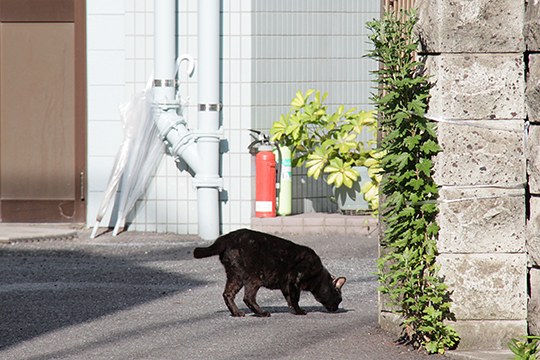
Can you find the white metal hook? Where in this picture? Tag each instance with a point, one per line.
(190, 61)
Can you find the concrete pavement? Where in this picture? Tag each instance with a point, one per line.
(143, 296)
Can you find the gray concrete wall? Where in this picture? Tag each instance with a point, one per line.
(476, 55)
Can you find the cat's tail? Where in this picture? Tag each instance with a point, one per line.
(214, 249)
(220, 245)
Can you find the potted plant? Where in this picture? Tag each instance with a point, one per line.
(328, 143)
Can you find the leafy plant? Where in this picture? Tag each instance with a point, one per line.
(328, 143)
(408, 272)
(526, 349)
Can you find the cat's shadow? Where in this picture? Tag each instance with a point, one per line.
(285, 310)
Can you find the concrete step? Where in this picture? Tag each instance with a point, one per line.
(309, 223)
(11, 233)
(480, 355)
(317, 223)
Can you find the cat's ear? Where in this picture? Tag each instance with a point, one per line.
(339, 282)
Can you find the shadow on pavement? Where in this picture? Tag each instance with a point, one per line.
(43, 290)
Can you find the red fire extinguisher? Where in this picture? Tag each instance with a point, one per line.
(265, 178)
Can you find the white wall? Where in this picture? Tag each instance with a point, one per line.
(106, 44)
(120, 61)
(262, 68)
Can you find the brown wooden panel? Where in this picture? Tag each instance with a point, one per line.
(37, 111)
(80, 177)
(47, 195)
(57, 211)
(37, 10)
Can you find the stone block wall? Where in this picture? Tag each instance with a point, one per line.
(532, 104)
(478, 54)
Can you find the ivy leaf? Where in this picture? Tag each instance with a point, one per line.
(402, 160)
(412, 141)
(430, 147)
(424, 166)
(432, 229)
(416, 183)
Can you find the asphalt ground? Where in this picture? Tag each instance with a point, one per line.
(144, 296)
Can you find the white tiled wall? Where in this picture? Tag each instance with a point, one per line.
(270, 49)
(106, 90)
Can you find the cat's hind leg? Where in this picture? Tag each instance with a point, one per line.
(232, 287)
(250, 296)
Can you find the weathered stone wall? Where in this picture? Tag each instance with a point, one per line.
(532, 104)
(476, 55)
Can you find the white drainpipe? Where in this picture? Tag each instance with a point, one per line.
(208, 180)
(200, 148)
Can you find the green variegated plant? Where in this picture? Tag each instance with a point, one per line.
(328, 143)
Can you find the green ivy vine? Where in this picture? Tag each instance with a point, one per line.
(407, 270)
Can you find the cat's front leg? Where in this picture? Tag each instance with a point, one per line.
(292, 295)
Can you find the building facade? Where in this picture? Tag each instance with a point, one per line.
(104, 54)
(269, 50)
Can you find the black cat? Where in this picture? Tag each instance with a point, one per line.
(253, 259)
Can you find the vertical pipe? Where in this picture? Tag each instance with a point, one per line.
(166, 118)
(208, 117)
(164, 50)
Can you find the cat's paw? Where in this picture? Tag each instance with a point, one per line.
(300, 312)
(239, 314)
(263, 314)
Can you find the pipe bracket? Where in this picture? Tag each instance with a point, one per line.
(208, 182)
(165, 83)
(166, 106)
(210, 107)
(219, 134)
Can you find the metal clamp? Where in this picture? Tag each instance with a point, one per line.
(165, 83)
(210, 107)
(218, 134)
(208, 181)
(166, 106)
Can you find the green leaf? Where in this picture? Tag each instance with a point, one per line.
(299, 100)
(340, 173)
(430, 147)
(424, 165)
(316, 162)
(412, 141)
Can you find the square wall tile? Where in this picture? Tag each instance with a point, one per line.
(105, 32)
(105, 67)
(100, 7)
(100, 168)
(104, 102)
(104, 138)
